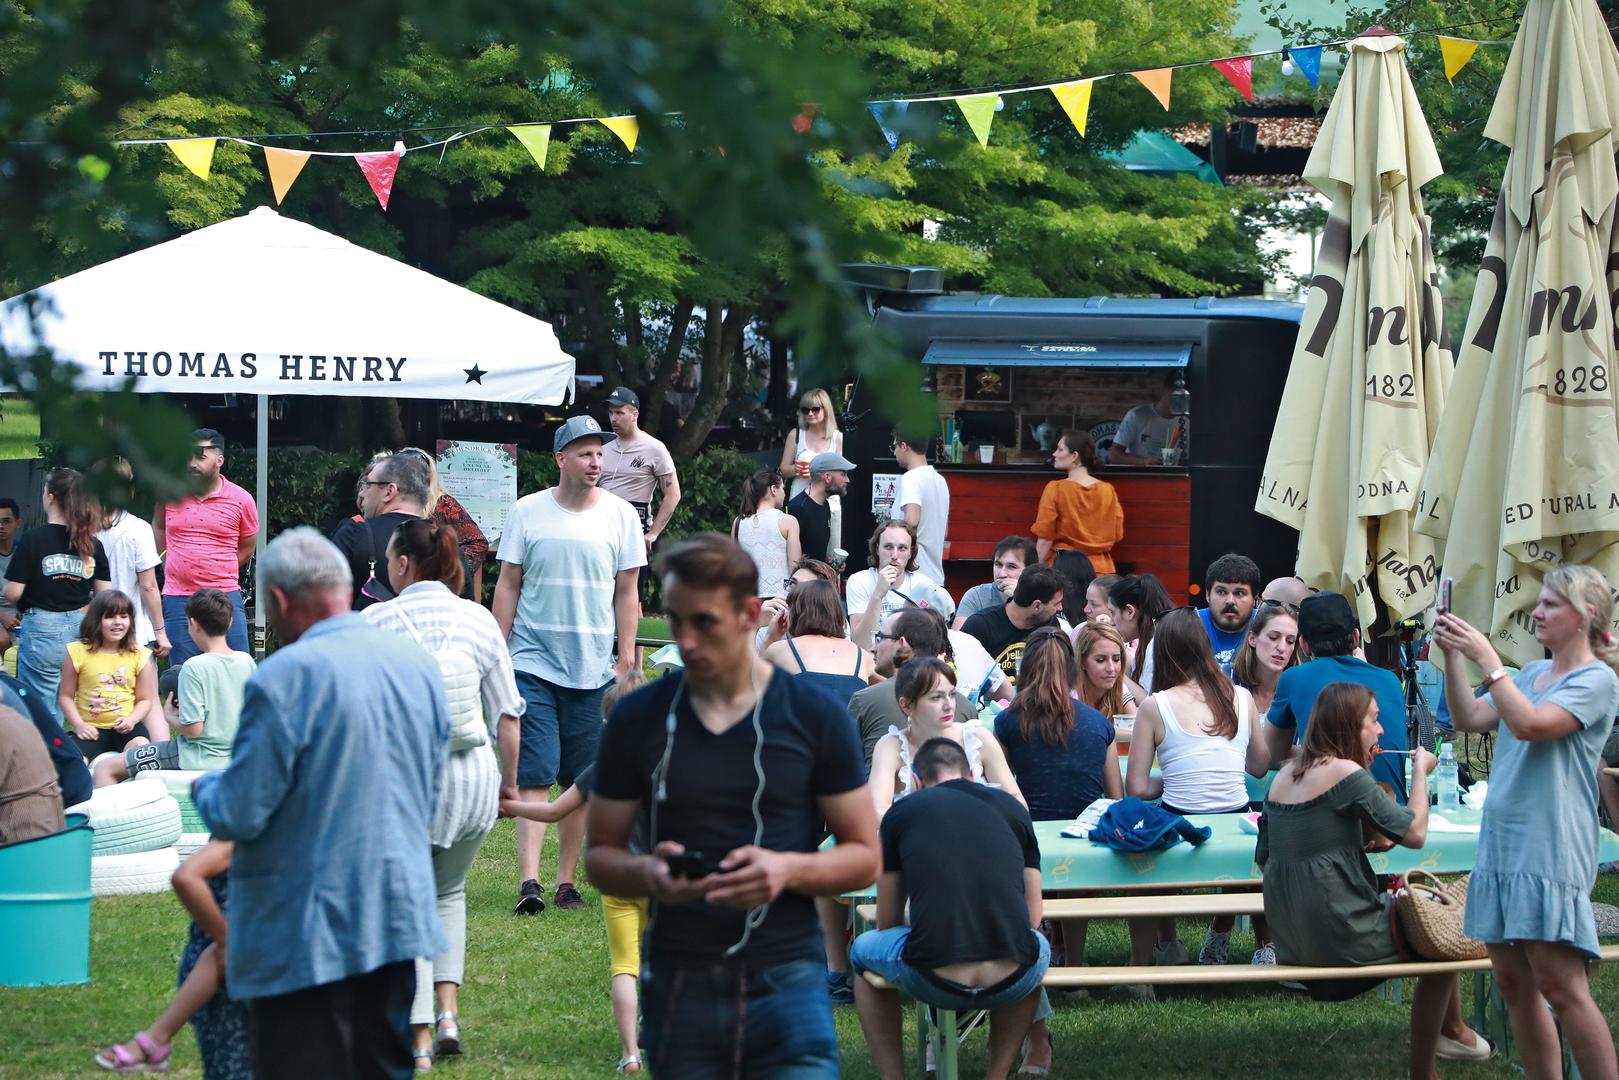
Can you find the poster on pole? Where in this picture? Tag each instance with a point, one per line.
(483, 478)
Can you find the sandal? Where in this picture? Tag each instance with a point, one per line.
(121, 1060)
(424, 1061)
(449, 1034)
(629, 1066)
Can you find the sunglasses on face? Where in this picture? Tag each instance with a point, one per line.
(807, 409)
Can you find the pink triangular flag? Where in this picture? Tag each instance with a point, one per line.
(1239, 71)
(379, 169)
(1157, 80)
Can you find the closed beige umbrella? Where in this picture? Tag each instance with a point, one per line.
(1370, 371)
(1525, 471)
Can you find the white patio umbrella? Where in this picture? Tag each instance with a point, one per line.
(1525, 470)
(263, 304)
(1369, 373)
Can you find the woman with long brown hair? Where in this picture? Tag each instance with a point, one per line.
(1135, 603)
(54, 571)
(1269, 648)
(1322, 898)
(1202, 729)
(766, 533)
(1102, 684)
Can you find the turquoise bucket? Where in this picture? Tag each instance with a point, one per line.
(45, 908)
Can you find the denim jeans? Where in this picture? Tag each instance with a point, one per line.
(708, 1022)
(174, 624)
(881, 952)
(42, 650)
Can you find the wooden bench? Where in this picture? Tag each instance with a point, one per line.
(1071, 978)
(1141, 905)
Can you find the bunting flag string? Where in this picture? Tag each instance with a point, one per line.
(978, 108)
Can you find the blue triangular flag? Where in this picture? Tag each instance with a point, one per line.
(1309, 61)
(887, 115)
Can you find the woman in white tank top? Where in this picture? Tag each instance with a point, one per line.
(1201, 728)
(767, 534)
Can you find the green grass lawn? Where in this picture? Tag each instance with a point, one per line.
(19, 428)
(536, 1005)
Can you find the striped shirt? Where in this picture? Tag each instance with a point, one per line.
(565, 624)
(470, 798)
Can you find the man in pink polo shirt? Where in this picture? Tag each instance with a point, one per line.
(206, 539)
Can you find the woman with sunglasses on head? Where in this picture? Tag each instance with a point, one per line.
(1202, 730)
(816, 433)
(1269, 648)
(766, 533)
(1529, 898)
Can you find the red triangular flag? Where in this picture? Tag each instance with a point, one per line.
(1239, 72)
(379, 169)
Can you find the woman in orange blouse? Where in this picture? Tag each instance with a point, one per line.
(1079, 512)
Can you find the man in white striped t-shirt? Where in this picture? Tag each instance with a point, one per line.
(570, 560)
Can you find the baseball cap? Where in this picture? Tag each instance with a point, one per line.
(1325, 616)
(830, 462)
(168, 684)
(624, 396)
(579, 427)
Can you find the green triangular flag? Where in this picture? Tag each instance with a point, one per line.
(979, 109)
(536, 139)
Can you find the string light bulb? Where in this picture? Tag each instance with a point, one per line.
(1287, 63)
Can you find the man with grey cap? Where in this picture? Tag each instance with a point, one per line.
(570, 563)
(330, 794)
(829, 475)
(635, 464)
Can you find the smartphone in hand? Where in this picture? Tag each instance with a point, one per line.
(688, 864)
(1443, 604)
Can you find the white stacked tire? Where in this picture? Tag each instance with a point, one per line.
(135, 828)
(193, 832)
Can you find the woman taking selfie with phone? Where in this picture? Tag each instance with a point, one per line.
(1529, 899)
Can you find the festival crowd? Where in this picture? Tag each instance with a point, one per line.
(821, 736)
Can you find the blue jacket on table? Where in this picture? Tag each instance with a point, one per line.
(331, 791)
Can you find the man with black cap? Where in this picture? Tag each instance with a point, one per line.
(570, 563)
(829, 475)
(1329, 637)
(634, 464)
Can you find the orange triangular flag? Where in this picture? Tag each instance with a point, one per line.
(1157, 80)
(1456, 52)
(284, 166)
(627, 128)
(195, 154)
(1075, 99)
(380, 169)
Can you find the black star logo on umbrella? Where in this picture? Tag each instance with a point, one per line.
(475, 374)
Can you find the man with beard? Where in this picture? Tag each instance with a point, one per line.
(206, 539)
(1232, 588)
(570, 563)
(829, 475)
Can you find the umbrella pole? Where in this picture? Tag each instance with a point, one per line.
(262, 469)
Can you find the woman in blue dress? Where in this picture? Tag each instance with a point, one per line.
(1529, 899)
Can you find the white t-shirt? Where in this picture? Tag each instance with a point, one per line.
(131, 548)
(564, 630)
(918, 586)
(1143, 432)
(924, 488)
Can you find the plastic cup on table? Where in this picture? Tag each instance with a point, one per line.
(1124, 725)
(1170, 456)
(986, 455)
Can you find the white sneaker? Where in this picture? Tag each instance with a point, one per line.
(1451, 1050)
(1265, 954)
(1216, 947)
(1170, 953)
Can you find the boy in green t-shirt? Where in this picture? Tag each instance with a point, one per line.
(202, 699)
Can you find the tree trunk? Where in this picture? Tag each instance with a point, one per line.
(720, 340)
(658, 385)
(599, 332)
(776, 400)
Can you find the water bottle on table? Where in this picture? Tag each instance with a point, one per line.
(1445, 778)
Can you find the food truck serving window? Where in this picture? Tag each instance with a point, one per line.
(1103, 354)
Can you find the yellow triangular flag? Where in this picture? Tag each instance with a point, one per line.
(627, 128)
(1457, 52)
(536, 139)
(979, 109)
(195, 154)
(1157, 80)
(1075, 99)
(284, 166)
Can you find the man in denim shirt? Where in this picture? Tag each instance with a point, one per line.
(329, 796)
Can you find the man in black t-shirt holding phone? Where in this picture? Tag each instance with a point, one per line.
(965, 857)
(738, 765)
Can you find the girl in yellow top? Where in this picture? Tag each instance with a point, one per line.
(109, 684)
(1078, 513)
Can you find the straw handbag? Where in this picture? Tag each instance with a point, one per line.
(1430, 914)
